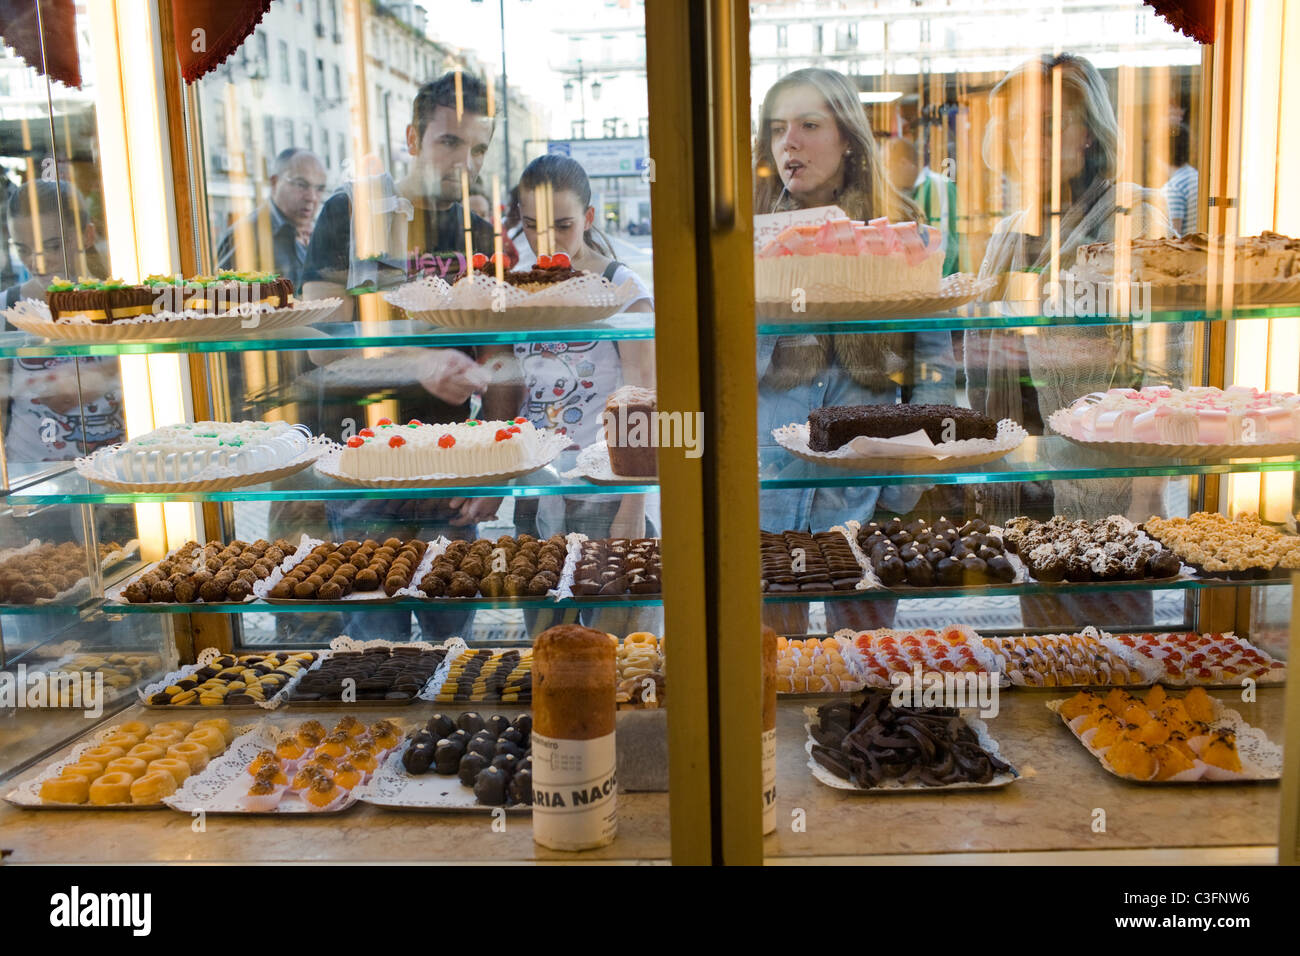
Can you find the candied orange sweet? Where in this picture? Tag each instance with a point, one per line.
(1153, 732)
(1171, 761)
(1132, 759)
(1108, 731)
(1136, 714)
(1221, 751)
(1199, 704)
(1081, 703)
(1117, 700)
(1155, 697)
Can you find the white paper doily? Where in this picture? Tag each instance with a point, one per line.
(828, 302)
(480, 303)
(986, 742)
(1261, 759)
(206, 657)
(594, 465)
(27, 794)
(33, 317)
(903, 453)
(213, 478)
(221, 786)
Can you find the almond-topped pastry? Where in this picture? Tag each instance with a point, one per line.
(264, 758)
(351, 726)
(311, 733)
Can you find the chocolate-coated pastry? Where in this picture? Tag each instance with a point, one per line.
(366, 580)
(446, 757)
(920, 573)
(471, 765)
(330, 591)
(504, 746)
(304, 590)
(506, 762)
(471, 722)
(490, 787)
(484, 744)
(1001, 569)
(462, 585)
(136, 593)
(238, 590)
(521, 786)
(522, 723)
(162, 591)
(417, 759)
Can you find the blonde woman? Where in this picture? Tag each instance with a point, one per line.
(815, 148)
(1075, 150)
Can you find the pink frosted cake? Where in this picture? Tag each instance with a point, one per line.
(1196, 416)
(845, 257)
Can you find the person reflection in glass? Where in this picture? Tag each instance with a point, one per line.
(274, 237)
(815, 148)
(1062, 170)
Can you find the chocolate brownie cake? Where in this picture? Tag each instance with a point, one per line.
(832, 427)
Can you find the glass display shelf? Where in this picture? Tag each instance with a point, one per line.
(1015, 315)
(1027, 588)
(1039, 458)
(401, 604)
(69, 487)
(339, 335)
(655, 600)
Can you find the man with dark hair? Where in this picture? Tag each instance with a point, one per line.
(274, 237)
(376, 233)
(447, 140)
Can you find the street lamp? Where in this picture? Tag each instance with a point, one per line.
(595, 89)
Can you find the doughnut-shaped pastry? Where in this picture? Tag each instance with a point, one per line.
(182, 727)
(89, 769)
(164, 737)
(152, 787)
(137, 727)
(179, 769)
(125, 741)
(111, 788)
(103, 754)
(209, 737)
(133, 766)
(194, 754)
(148, 752)
(70, 788)
(221, 724)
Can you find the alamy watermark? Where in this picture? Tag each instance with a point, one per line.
(634, 428)
(1072, 298)
(79, 690)
(978, 689)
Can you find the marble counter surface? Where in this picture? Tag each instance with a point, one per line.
(361, 833)
(1052, 807)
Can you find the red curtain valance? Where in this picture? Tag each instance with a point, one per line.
(21, 24)
(225, 24)
(1195, 18)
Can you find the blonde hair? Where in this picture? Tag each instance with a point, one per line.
(865, 192)
(1082, 90)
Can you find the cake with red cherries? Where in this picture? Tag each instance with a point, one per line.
(1195, 416)
(546, 272)
(847, 257)
(473, 447)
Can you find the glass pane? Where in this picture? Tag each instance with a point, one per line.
(358, 149)
(961, 210)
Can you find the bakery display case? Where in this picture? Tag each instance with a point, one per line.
(917, 405)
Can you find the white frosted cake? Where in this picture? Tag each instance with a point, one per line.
(415, 449)
(844, 257)
(184, 452)
(1268, 257)
(1197, 416)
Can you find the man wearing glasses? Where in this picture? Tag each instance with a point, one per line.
(275, 236)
